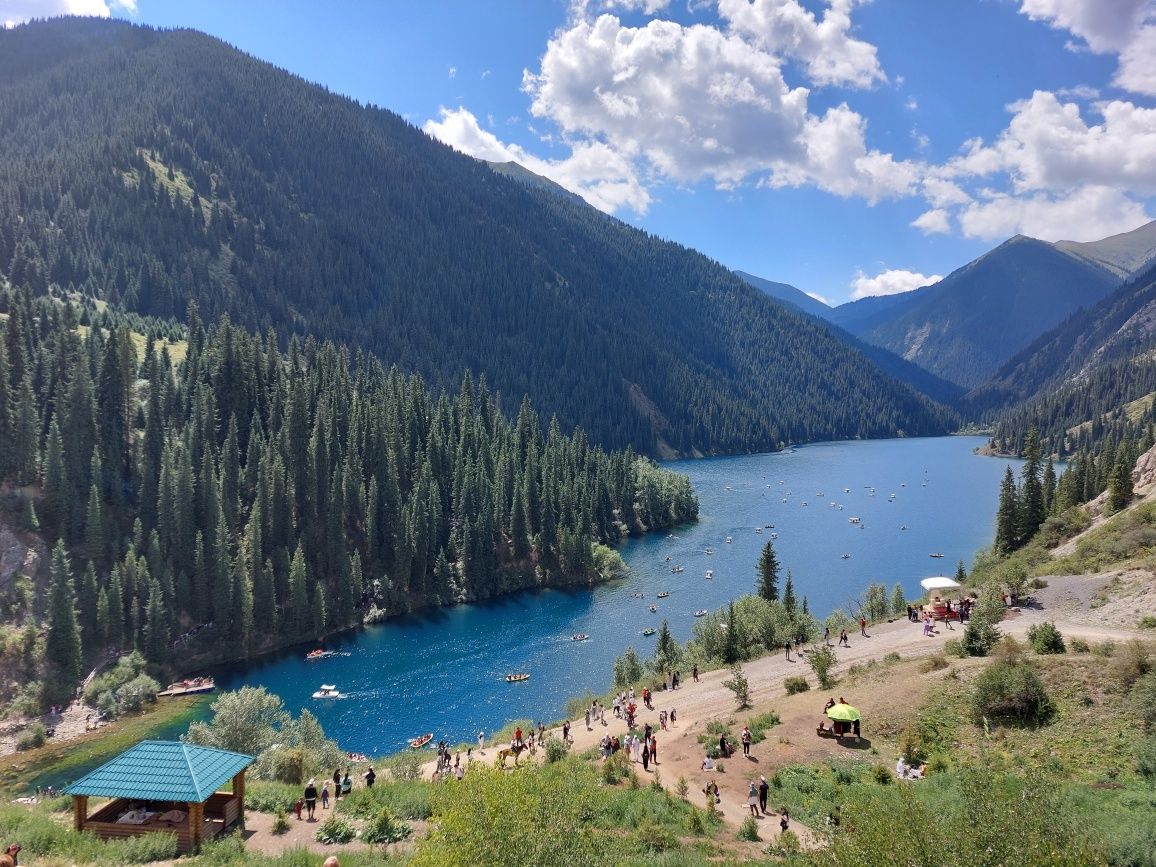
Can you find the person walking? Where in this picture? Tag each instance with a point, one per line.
(654, 750)
(371, 776)
(566, 731)
(310, 798)
(827, 635)
(843, 640)
(753, 799)
(863, 627)
(787, 649)
(481, 743)
(587, 719)
(784, 819)
(694, 672)
(346, 783)
(764, 790)
(746, 739)
(646, 757)
(325, 795)
(336, 785)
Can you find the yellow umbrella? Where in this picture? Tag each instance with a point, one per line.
(843, 713)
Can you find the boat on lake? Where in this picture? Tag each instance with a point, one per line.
(663, 594)
(700, 613)
(758, 529)
(728, 540)
(709, 574)
(328, 690)
(319, 654)
(419, 742)
(579, 636)
(653, 609)
(846, 556)
(517, 678)
(708, 550)
(192, 686)
(937, 556)
(677, 569)
(854, 521)
(650, 630)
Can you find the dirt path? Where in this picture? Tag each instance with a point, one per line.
(697, 704)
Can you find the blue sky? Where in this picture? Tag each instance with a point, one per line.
(849, 148)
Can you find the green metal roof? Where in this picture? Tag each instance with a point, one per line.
(162, 771)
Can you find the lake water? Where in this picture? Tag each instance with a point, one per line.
(443, 671)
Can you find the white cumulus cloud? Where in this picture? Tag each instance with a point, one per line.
(889, 282)
(594, 171)
(1126, 28)
(13, 12)
(1087, 213)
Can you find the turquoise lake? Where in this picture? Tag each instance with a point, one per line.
(442, 671)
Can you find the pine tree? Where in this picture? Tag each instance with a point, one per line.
(62, 648)
(55, 480)
(960, 572)
(731, 639)
(789, 595)
(1007, 523)
(1031, 508)
(665, 648)
(1120, 480)
(769, 573)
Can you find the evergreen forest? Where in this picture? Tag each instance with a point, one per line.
(215, 495)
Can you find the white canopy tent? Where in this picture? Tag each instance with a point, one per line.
(939, 582)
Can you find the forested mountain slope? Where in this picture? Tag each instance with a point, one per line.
(1083, 371)
(149, 168)
(966, 326)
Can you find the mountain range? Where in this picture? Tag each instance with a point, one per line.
(148, 169)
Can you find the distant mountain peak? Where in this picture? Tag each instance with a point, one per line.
(1123, 255)
(519, 172)
(787, 293)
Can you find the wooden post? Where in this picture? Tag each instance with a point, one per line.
(79, 811)
(196, 825)
(239, 793)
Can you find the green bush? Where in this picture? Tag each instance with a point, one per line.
(1079, 645)
(954, 647)
(796, 684)
(556, 749)
(1011, 693)
(263, 796)
(31, 738)
(335, 829)
(1106, 648)
(404, 766)
(788, 843)
(653, 837)
(821, 662)
(759, 725)
(615, 768)
(891, 657)
(1143, 700)
(1132, 663)
(749, 830)
(1146, 757)
(1045, 638)
(280, 822)
(287, 766)
(384, 828)
(881, 775)
(410, 799)
(1148, 621)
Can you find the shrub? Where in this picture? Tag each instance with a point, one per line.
(404, 766)
(1146, 757)
(335, 829)
(739, 686)
(1106, 648)
(384, 828)
(31, 738)
(696, 821)
(881, 774)
(1132, 663)
(1079, 645)
(615, 768)
(269, 797)
(1143, 700)
(1012, 693)
(1148, 621)
(653, 837)
(788, 843)
(749, 830)
(556, 749)
(280, 821)
(682, 789)
(933, 663)
(287, 766)
(759, 725)
(891, 657)
(796, 684)
(954, 647)
(910, 746)
(409, 800)
(1045, 638)
(821, 662)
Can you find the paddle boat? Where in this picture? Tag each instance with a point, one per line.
(854, 520)
(758, 529)
(846, 556)
(517, 678)
(653, 609)
(903, 527)
(419, 742)
(677, 569)
(709, 574)
(328, 690)
(650, 630)
(637, 594)
(579, 636)
(728, 540)
(663, 594)
(700, 613)
(359, 757)
(708, 550)
(937, 556)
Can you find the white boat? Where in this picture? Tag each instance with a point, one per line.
(663, 594)
(758, 529)
(579, 636)
(846, 556)
(728, 540)
(653, 609)
(774, 535)
(846, 490)
(853, 520)
(677, 568)
(904, 527)
(937, 556)
(328, 690)
(700, 613)
(709, 574)
(708, 550)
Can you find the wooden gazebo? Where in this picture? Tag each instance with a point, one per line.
(163, 787)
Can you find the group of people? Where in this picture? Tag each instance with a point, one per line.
(642, 750)
(342, 785)
(837, 728)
